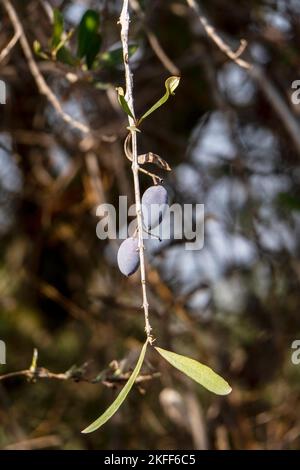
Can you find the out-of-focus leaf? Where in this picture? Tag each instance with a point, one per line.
(289, 201)
(89, 38)
(39, 51)
(202, 374)
(114, 57)
(120, 398)
(123, 103)
(171, 84)
(94, 48)
(58, 27)
(66, 57)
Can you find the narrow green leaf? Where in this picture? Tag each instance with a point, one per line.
(94, 48)
(58, 27)
(123, 103)
(202, 374)
(171, 84)
(89, 39)
(120, 398)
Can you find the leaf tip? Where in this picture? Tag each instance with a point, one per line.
(172, 83)
(227, 389)
(86, 430)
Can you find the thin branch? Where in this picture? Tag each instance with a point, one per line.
(124, 22)
(38, 77)
(211, 32)
(109, 378)
(4, 53)
(154, 42)
(271, 93)
(76, 375)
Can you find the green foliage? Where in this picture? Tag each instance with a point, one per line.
(120, 398)
(200, 373)
(88, 45)
(89, 39)
(65, 56)
(171, 84)
(58, 28)
(123, 103)
(289, 201)
(39, 51)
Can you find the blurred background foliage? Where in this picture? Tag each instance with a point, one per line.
(233, 305)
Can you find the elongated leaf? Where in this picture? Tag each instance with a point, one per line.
(58, 27)
(120, 398)
(89, 39)
(171, 84)
(202, 374)
(123, 103)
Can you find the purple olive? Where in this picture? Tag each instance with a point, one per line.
(128, 256)
(154, 203)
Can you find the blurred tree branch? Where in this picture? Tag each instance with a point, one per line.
(109, 377)
(272, 94)
(38, 77)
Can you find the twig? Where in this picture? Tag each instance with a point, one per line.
(38, 77)
(76, 375)
(108, 378)
(154, 42)
(41, 442)
(4, 53)
(275, 99)
(211, 32)
(124, 22)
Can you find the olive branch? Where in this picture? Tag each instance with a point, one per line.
(200, 373)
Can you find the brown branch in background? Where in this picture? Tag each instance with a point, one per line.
(216, 38)
(38, 77)
(124, 22)
(153, 41)
(4, 53)
(109, 378)
(271, 93)
(35, 443)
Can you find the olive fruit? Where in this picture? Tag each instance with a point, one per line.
(128, 256)
(154, 202)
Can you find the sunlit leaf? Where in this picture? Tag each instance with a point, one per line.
(89, 38)
(171, 84)
(202, 374)
(39, 51)
(120, 398)
(123, 103)
(58, 27)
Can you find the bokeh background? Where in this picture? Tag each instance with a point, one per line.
(233, 305)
